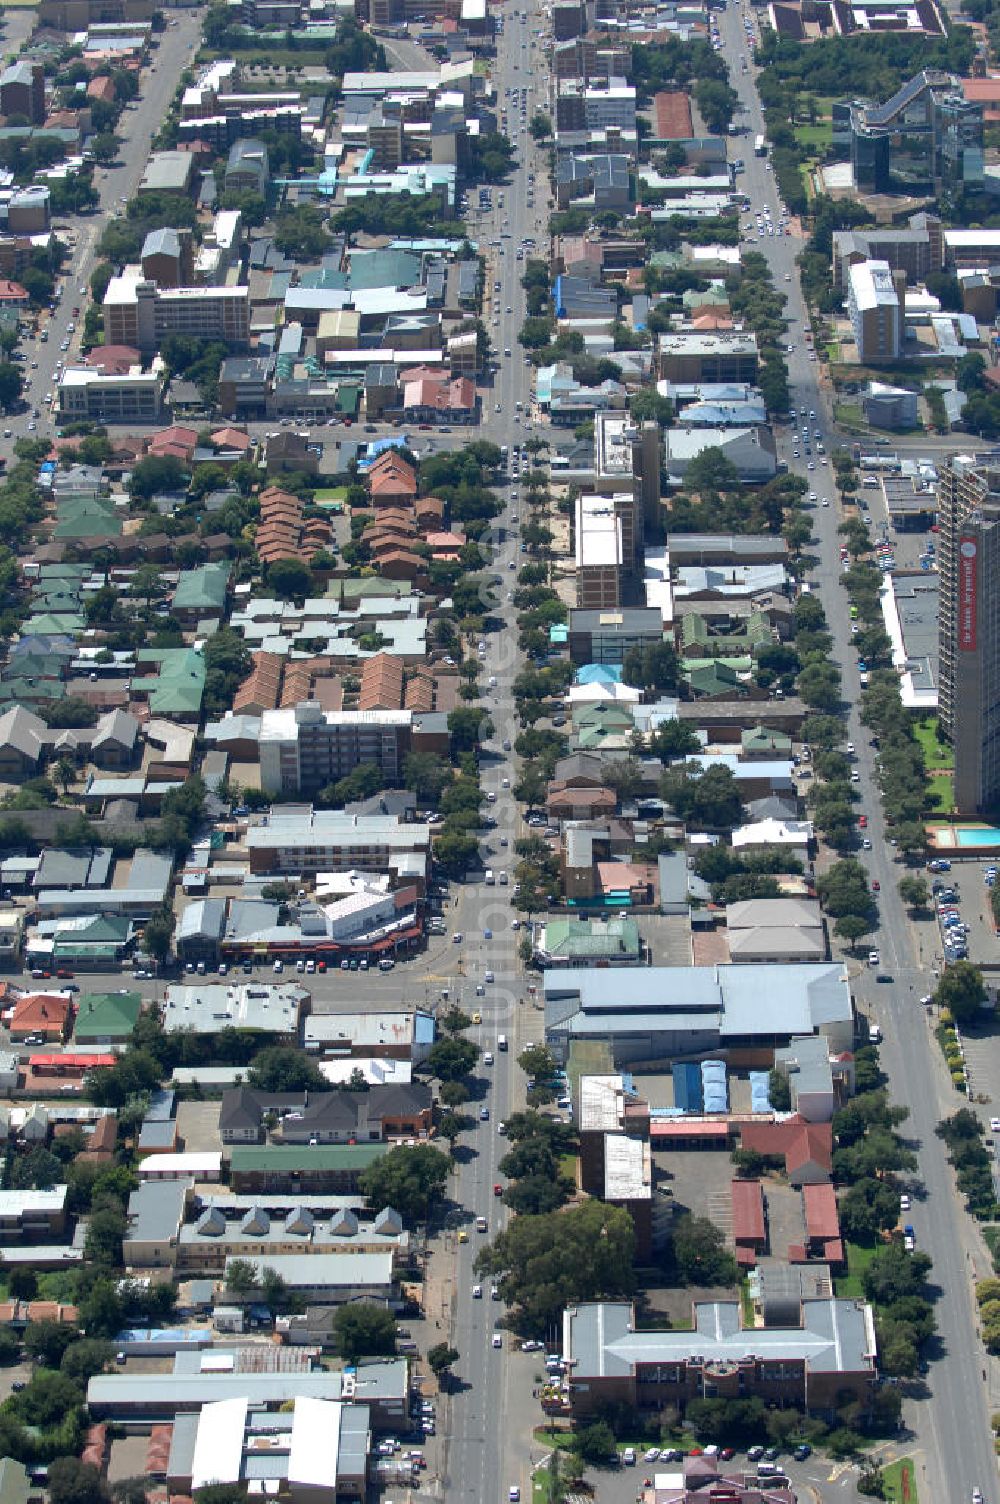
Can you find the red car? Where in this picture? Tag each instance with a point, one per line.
(863, 821)
(876, 885)
(498, 1189)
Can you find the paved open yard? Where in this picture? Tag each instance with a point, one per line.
(128, 1458)
(198, 1126)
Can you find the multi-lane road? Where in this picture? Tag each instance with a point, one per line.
(951, 1424)
(486, 1446)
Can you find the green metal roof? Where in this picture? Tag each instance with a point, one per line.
(176, 683)
(107, 1015)
(203, 588)
(617, 939)
(306, 1156)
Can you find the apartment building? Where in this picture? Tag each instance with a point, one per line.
(969, 623)
(708, 357)
(129, 397)
(328, 840)
(916, 248)
(22, 91)
(600, 561)
(875, 304)
(627, 457)
(304, 748)
(138, 313)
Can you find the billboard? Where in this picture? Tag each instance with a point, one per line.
(968, 551)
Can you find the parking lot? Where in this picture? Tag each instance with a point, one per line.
(815, 1478)
(198, 1127)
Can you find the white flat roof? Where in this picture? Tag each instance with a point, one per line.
(315, 1451)
(872, 285)
(218, 1447)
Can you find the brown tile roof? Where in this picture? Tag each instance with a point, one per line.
(419, 695)
(262, 685)
(381, 683)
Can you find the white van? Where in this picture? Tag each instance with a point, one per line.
(489, 879)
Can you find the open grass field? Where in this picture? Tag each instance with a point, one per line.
(848, 1286)
(936, 754)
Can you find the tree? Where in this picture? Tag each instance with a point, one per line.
(914, 892)
(411, 1179)
(851, 927)
(22, 1284)
(537, 1061)
(428, 776)
(65, 772)
(158, 933)
(596, 1442)
(10, 385)
(961, 991)
(105, 1231)
(85, 1358)
(284, 1068)
(73, 1482)
(652, 668)
(441, 1358)
(673, 739)
(290, 579)
(241, 1277)
(867, 1208)
(700, 1253)
(47, 1341)
(452, 1059)
(708, 799)
(545, 1263)
(540, 126)
(364, 1330)
(624, 777)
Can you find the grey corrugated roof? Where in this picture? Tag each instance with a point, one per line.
(834, 1338)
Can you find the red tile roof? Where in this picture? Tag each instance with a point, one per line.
(819, 1204)
(748, 1211)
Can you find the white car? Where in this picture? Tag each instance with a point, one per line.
(497, 1340)
(995, 1125)
(873, 958)
(904, 1203)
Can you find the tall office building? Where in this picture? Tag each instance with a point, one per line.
(969, 624)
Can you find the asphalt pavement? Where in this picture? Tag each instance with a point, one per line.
(951, 1430)
(487, 1436)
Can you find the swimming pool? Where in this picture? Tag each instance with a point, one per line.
(977, 835)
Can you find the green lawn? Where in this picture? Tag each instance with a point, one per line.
(900, 1482)
(936, 754)
(849, 415)
(848, 1286)
(941, 794)
(815, 138)
(331, 493)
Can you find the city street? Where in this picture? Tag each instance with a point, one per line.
(953, 1441)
